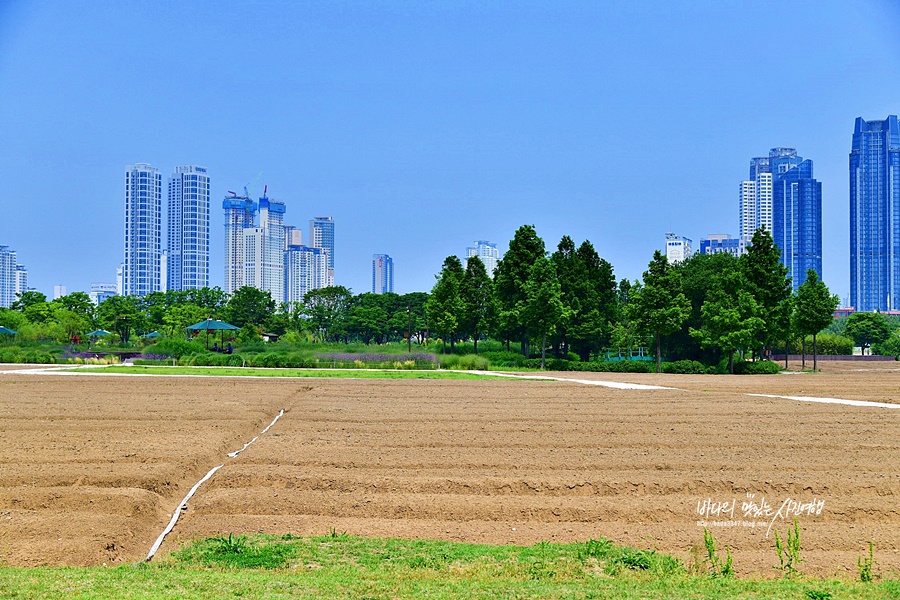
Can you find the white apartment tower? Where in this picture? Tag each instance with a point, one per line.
(188, 229)
(487, 252)
(143, 230)
(305, 269)
(7, 276)
(240, 214)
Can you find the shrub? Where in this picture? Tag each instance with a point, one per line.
(763, 367)
(686, 367)
(175, 347)
(502, 358)
(473, 362)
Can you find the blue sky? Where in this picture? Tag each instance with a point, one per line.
(423, 126)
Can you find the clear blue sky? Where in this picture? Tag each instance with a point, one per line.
(423, 126)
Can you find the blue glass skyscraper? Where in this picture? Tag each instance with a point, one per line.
(875, 215)
(796, 213)
(188, 229)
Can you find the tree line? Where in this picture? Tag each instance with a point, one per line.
(706, 308)
(566, 302)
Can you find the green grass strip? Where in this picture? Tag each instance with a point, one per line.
(257, 372)
(341, 566)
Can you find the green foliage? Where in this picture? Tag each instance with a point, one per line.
(867, 329)
(788, 553)
(175, 347)
(730, 317)
(685, 367)
(659, 307)
(479, 306)
(512, 273)
(248, 306)
(831, 344)
(445, 307)
(760, 367)
(889, 347)
(814, 309)
(716, 566)
(866, 564)
(236, 552)
(542, 308)
(768, 282)
(817, 594)
(502, 358)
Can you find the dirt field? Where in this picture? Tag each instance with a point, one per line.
(92, 467)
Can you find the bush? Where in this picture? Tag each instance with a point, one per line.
(473, 362)
(175, 348)
(502, 358)
(686, 367)
(763, 367)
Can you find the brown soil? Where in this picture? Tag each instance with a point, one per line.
(93, 467)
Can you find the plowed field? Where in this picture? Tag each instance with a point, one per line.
(92, 467)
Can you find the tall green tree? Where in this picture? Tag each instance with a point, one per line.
(122, 315)
(867, 328)
(444, 308)
(510, 278)
(814, 309)
(659, 307)
(328, 311)
(589, 296)
(731, 318)
(477, 292)
(542, 307)
(249, 306)
(767, 280)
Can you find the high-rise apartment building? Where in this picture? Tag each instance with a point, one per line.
(305, 269)
(59, 291)
(240, 214)
(678, 248)
(143, 230)
(875, 215)
(21, 280)
(321, 235)
(7, 276)
(487, 252)
(382, 274)
(797, 218)
(188, 229)
(756, 199)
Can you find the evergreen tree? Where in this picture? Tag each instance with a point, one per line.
(659, 307)
(542, 307)
(768, 282)
(444, 308)
(477, 291)
(814, 309)
(509, 282)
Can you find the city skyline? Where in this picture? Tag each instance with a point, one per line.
(422, 127)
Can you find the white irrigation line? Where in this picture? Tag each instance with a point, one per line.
(236, 452)
(183, 504)
(177, 514)
(610, 384)
(831, 401)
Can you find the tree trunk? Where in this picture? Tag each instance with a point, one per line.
(731, 362)
(815, 355)
(475, 339)
(787, 349)
(803, 353)
(543, 350)
(658, 353)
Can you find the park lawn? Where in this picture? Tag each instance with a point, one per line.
(341, 566)
(288, 372)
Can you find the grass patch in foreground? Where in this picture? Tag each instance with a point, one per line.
(341, 566)
(261, 372)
